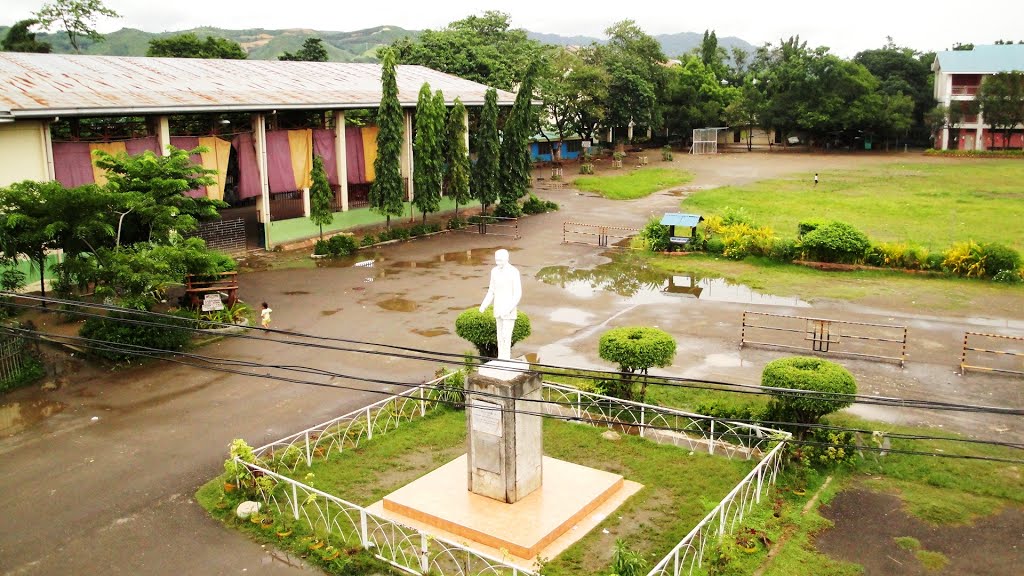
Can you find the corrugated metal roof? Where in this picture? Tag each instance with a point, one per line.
(76, 85)
(988, 59)
(677, 219)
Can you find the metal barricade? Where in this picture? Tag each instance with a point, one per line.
(493, 226)
(842, 337)
(597, 234)
(999, 360)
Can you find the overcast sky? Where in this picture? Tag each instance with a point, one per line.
(846, 27)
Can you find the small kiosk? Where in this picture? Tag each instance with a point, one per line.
(680, 239)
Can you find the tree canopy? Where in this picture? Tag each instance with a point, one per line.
(387, 189)
(188, 45)
(313, 50)
(485, 171)
(457, 156)
(20, 38)
(428, 171)
(76, 17)
(321, 197)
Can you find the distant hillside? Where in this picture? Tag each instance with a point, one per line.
(673, 45)
(357, 46)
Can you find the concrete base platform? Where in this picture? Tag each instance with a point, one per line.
(572, 500)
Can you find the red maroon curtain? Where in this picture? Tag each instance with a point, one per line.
(72, 163)
(248, 169)
(354, 155)
(323, 146)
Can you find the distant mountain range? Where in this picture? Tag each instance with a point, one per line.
(357, 46)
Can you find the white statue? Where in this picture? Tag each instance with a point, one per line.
(505, 291)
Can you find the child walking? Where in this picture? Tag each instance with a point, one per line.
(265, 315)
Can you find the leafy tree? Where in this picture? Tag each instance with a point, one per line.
(634, 61)
(712, 56)
(20, 39)
(514, 159)
(903, 71)
(313, 50)
(587, 85)
(428, 172)
(485, 171)
(153, 193)
(457, 156)
(481, 330)
(76, 17)
(188, 45)
(1001, 99)
(747, 108)
(482, 48)
(635, 349)
(557, 97)
(386, 191)
(833, 383)
(321, 197)
(695, 96)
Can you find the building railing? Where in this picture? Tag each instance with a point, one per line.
(964, 90)
(417, 552)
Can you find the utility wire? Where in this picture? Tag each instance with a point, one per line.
(433, 356)
(217, 363)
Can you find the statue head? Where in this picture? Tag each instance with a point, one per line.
(501, 258)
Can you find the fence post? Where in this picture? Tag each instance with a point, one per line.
(423, 404)
(295, 501)
(643, 428)
(743, 329)
(963, 354)
(711, 439)
(309, 451)
(760, 483)
(579, 403)
(903, 352)
(424, 554)
(369, 425)
(364, 534)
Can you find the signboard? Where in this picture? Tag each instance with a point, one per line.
(212, 302)
(486, 417)
(679, 239)
(585, 143)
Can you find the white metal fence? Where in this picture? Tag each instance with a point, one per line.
(418, 552)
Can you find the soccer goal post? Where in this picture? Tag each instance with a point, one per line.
(705, 141)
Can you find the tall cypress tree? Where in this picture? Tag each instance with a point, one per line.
(515, 153)
(456, 156)
(485, 171)
(320, 196)
(427, 171)
(386, 190)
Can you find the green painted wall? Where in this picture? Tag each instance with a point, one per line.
(297, 229)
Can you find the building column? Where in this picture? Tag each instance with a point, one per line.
(465, 123)
(163, 135)
(305, 202)
(406, 159)
(979, 133)
(341, 156)
(259, 136)
(48, 150)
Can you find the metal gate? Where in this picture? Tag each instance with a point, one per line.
(597, 235)
(493, 226)
(998, 352)
(826, 336)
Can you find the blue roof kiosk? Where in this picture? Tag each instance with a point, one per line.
(683, 221)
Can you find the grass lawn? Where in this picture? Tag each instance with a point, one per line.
(679, 488)
(633, 184)
(933, 205)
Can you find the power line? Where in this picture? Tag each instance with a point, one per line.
(217, 362)
(434, 356)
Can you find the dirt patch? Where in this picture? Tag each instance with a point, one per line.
(867, 525)
(646, 509)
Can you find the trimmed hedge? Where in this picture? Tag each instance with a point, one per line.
(836, 242)
(159, 333)
(481, 330)
(635, 349)
(806, 373)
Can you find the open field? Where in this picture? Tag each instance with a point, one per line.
(632, 185)
(933, 205)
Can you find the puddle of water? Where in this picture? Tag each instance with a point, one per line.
(635, 280)
(18, 416)
(431, 332)
(398, 305)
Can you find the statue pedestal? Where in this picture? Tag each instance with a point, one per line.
(505, 446)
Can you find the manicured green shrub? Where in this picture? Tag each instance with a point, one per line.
(586, 168)
(535, 205)
(805, 226)
(655, 236)
(635, 349)
(898, 255)
(715, 245)
(116, 336)
(322, 248)
(934, 261)
(832, 384)
(342, 245)
(367, 240)
(508, 210)
(481, 330)
(456, 223)
(1009, 276)
(998, 257)
(782, 250)
(835, 242)
(741, 240)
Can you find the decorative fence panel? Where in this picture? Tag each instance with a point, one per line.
(418, 552)
(492, 226)
(12, 358)
(992, 353)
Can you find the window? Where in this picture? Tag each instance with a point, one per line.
(543, 148)
(574, 146)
